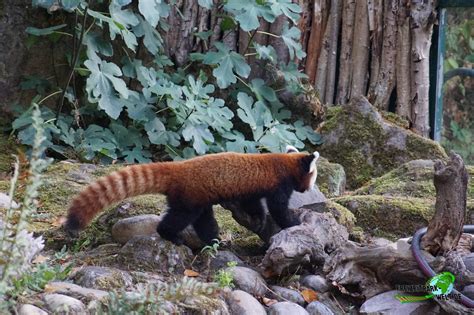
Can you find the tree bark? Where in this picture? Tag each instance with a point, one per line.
(345, 60)
(403, 65)
(360, 50)
(376, 21)
(315, 40)
(446, 227)
(321, 73)
(386, 76)
(422, 18)
(335, 20)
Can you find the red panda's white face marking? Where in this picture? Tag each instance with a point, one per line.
(313, 170)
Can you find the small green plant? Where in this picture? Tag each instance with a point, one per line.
(18, 246)
(212, 250)
(224, 277)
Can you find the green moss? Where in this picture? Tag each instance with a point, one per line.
(331, 178)
(395, 119)
(422, 148)
(367, 146)
(470, 184)
(343, 215)
(398, 216)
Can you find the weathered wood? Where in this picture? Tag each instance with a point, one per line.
(315, 40)
(403, 65)
(308, 243)
(423, 16)
(364, 272)
(335, 20)
(360, 50)
(446, 227)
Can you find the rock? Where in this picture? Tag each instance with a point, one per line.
(469, 262)
(284, 308)
(315, 282)
(284, 294)
(248, 280)
(154, 253)
(394, 216)
(308, 243)
(63, 304)
(222, 258)
(341, 214)
(146, 224)
(242, 303)
(83, 174)
(28, 309)
(386, 303)
(469, 291)
(104, 278)
(298, 200)
(76, 291)
(331, 178)
(6, 201)
(125, 229)
(357, 137)
(318, 308)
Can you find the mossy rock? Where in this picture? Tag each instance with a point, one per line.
(389, 216)
(331, 178)
(367, 146)
(412, 179)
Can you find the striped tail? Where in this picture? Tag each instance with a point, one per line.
(128, 182)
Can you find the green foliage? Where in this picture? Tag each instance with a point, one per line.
(459, 45)
(17, 246)
(135, 104)
(461, 139)
(224, 277)
(211, 250)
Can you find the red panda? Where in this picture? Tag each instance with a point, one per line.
(193, 186)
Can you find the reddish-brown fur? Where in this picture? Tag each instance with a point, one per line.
(199, 181)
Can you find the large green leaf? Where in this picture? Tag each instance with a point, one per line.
(247, 13)
(153, 10)
(199, 134)
(151, 37)
(96, 43)
(237, 143)
(229, 64)
(291, 37)
(286, 7)
(266, 52)
(102, 85)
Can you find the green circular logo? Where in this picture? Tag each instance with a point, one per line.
(442, 283)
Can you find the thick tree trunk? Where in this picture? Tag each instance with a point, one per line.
(335, 21)
(360, 50)
(376, 28)
(446, 227)
(345, 60)
(422, 20)
(315, 39)
(403, 65)
(386, 75)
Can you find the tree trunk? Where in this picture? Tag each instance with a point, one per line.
(335, 21)
(403, 66)
(446, 227)
(315, 40)
(345, 60)
(360, 50)
(422, 20)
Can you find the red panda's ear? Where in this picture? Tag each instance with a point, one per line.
(291, 149)
(308, 162)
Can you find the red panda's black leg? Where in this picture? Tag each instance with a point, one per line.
(254, 208)
(177, 218)
(206, 226)
(278, 207)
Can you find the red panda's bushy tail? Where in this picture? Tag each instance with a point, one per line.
(128, 182)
